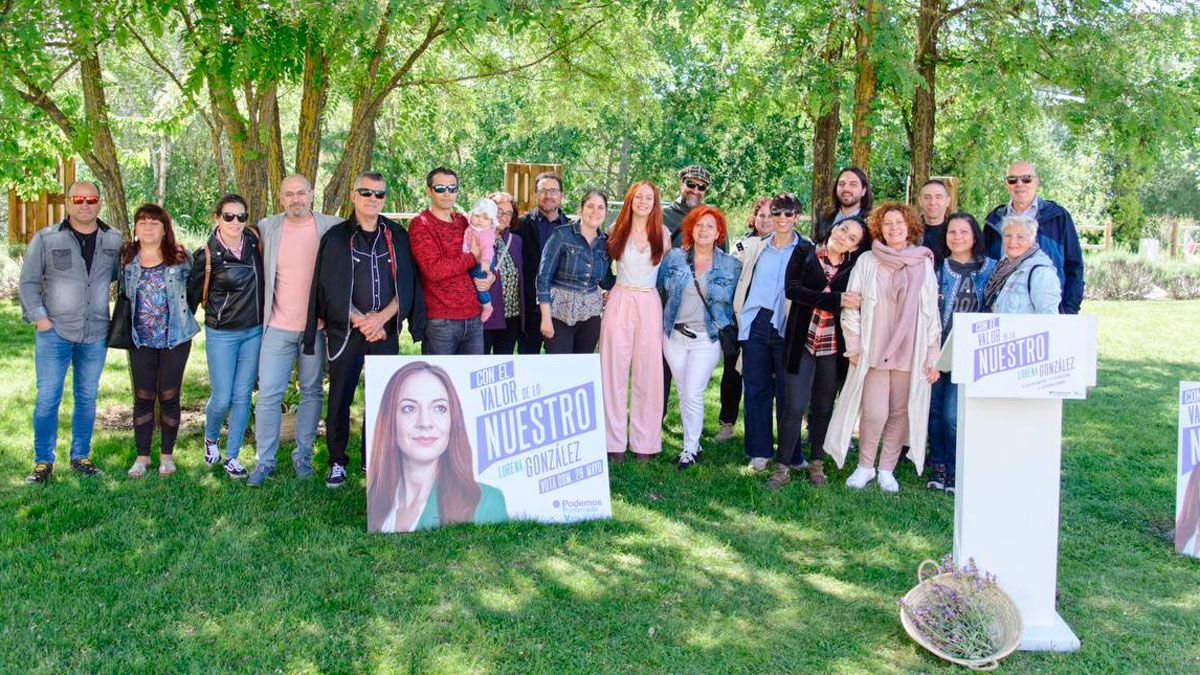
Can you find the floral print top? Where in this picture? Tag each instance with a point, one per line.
(152, 315)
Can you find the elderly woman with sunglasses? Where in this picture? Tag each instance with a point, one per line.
(227, 279)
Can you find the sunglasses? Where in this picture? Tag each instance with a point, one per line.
(699, 187)
(1026, 179)
(788, 213)
(441, 189)
(85, 200)
(377, 194)
(230, 217)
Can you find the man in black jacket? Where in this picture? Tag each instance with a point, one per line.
(364, 286)
(535, 228)
(850, 196)
(693, 183)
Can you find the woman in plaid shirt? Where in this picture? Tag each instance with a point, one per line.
(814, 365)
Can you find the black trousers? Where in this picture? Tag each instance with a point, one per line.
(731, 392)
(814, 387)
(344, 373)
(530, 341)
(157, 377)
(502, 340)
(578, 339)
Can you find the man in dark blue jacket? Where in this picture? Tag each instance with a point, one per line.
(1056, 231)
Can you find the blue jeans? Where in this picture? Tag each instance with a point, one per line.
(943, 423)
(762, 379)
(453, 336)
(280, 351)
(51, 357)
(232, 370)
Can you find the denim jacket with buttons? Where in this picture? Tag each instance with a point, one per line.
(569, 262)
(56, 284)
(181, 325)
(675, 276)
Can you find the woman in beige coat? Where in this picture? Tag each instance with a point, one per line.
(892, 343)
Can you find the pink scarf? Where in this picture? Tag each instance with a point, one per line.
(908, 272)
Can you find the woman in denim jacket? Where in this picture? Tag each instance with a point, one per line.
(574, 269)
(964, 272)
(1025, 280)
(692, 320)
(154, 278)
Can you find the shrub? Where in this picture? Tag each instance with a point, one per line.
(1122, 275)
(10, 273)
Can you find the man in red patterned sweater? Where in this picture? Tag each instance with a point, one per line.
(436, 235)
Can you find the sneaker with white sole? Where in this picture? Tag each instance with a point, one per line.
(336, 476)
(234, 468)
(687, 458)
(758, 463)
(887, 482)
(861, 476)
(212, 452)
(724, 432)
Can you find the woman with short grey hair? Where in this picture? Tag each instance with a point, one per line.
(1025, 280)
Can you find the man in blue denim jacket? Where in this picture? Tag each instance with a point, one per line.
(65, 281)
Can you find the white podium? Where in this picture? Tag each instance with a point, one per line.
(1012, 372)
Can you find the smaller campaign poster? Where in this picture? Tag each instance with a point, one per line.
(484, 439)
(1025, 355)
(1187, 491)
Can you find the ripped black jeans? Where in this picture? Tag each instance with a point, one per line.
(157, 377)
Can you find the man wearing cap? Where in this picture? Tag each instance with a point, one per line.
(693, 183)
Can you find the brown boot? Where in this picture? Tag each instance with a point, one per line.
(816, 472)
(780, 477)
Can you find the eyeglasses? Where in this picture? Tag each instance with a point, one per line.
(549, 191)
(366, 192)
(504, 214)
(786, 213)
(85, 200)
(1026, 179)
(441, 189)
(230, 217)
(699, 187)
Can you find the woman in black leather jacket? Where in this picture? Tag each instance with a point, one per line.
(227, 278)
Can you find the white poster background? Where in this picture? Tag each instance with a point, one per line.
(1187, 502)
(562, 481)
(1024, 355)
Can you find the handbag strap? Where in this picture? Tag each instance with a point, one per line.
(696, 283)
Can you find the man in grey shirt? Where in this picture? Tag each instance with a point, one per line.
(65, 281)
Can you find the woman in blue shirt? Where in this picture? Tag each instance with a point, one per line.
(574, 269)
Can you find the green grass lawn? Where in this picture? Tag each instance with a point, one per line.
(704, 571)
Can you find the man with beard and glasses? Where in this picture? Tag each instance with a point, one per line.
(535, 229)
(693, 183)
(851, 196)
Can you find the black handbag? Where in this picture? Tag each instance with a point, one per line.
(728, 335)
(120, 328)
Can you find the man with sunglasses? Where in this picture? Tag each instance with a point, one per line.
(535, 229)
(1056, 233)
(64, 288)
(454, 326)
(364, 286)
(693, 183)
(290, 240)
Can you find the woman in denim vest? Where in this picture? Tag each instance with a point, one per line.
(155, 273)
(1025, 280)
(964, 272)
(692, 320)
(574, 269)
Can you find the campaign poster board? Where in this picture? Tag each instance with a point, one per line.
(524, 433)
(1187, 492)
(1046, 356)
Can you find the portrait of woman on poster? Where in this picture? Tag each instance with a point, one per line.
(1187, 531)
(420, 473)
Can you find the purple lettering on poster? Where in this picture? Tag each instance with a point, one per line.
(1010, 355)
(536, 423)
(570, 477)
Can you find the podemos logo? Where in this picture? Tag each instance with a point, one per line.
(578, 507)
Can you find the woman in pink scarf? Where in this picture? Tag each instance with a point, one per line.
(892, 343)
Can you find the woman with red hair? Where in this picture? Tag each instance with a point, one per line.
(629, 329)
(420, 473)
(696, 282)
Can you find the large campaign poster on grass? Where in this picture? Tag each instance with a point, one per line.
(484, 439)
(1187, 491)
(1024, 355)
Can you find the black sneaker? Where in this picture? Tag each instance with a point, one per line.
(937, 478)
(336, 476)
(687, 459)
(41, 473)
(949, 483)
(85, 466)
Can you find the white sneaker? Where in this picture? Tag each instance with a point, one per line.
(212, 452)
(861, 476)
(759, 463)
(724, 432)
(887, 481)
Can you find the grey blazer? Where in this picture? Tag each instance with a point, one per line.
(270, 229)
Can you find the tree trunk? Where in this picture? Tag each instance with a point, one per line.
(245, 145)
(276, 168)
(160, 169)
(826, 126)
(864, 87)
(623, 168)
(312, 111)
(216, 137)
(104, 149)
(924, 96)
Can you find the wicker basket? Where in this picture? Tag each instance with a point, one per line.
(1002, 607)
(287, 427)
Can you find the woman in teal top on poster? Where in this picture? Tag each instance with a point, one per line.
(420, 473)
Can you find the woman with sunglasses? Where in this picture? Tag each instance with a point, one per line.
(227, 279)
